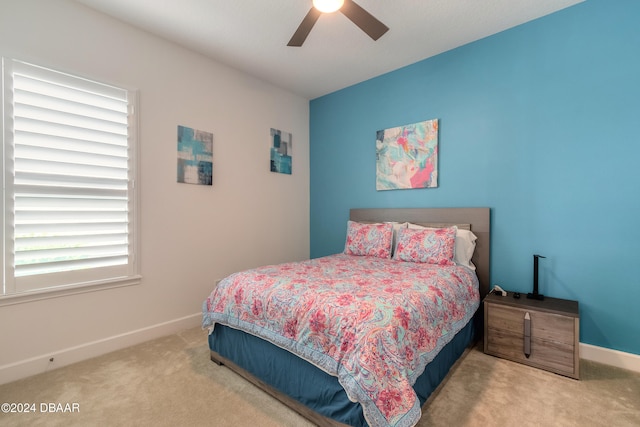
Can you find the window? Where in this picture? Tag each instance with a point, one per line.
(69, 181)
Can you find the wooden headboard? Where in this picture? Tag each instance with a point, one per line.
(478, 220)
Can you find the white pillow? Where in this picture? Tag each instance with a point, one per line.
(464, 247)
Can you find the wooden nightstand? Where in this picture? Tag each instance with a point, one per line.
(554, 332)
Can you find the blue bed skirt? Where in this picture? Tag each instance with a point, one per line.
(313, 387)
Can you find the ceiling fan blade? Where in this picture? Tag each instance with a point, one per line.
(363, 19)
(305, 28)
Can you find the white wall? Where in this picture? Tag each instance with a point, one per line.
(191, 235)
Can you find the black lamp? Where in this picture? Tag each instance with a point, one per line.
(535, 294)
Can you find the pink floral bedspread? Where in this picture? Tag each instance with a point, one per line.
(373, 323)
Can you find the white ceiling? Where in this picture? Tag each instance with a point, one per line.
(252, 35)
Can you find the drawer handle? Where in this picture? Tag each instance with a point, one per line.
(527, 335)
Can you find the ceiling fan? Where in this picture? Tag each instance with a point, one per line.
(363, 19)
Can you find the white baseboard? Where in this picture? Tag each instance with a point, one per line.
(607, 356)
(39, 364)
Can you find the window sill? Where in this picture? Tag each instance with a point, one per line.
(43, 294)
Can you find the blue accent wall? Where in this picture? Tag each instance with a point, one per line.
(541, 123)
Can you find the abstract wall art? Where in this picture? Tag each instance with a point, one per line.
(407, 156)
(280, 151)
(195, 156)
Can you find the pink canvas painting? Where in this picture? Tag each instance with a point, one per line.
(407, 156)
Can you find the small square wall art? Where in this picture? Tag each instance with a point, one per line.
(195, 156)
(407, 156)
(280, 151)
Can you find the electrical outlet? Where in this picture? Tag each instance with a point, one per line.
(51, 363)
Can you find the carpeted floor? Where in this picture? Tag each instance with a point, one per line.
(171, 382)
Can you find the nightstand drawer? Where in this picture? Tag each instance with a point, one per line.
(554, 356)
(544, 326)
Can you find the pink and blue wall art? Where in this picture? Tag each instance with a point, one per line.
(407, 156)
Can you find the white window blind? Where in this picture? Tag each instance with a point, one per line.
(70, 174)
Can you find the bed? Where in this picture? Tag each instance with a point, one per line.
(406, 320)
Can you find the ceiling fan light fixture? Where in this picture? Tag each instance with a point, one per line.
(328, 6)
(349, 8)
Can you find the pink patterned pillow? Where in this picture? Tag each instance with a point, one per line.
(369, 239)
(429, 245)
